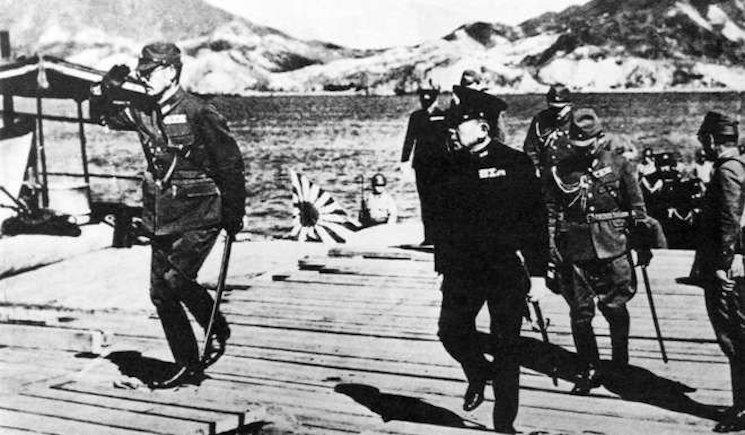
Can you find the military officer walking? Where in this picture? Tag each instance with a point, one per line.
(194, 186)
(425, 139)
(592, 196)
(549, 124)
(719, 254)
(489, 209)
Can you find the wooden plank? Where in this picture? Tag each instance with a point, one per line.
(48, 424)
(45, 337)
(217, 421)
(101, 415)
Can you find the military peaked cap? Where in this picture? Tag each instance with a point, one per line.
(478, 105)
(159, 54)
(470, 77)
(428, 94)
(558, 95)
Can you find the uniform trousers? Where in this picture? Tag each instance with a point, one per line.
(613, 282)
(424, 186)
(463, 295)
(727, 314)
(176, 260)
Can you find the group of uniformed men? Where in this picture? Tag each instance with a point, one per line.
(565, 214)
(505, 224)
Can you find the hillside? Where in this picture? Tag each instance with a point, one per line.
(603, 45)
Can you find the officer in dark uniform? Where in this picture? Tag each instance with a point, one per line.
(719, 254)
(195, 185)
(592, 198)
(425, 138)
(490, 208)
(549, 124)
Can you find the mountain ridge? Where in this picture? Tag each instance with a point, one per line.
(602, 45)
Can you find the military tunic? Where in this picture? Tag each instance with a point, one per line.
(425, 139)
(719, 240)
(490, 207)
(543, 131)
(590, 199)
(185, 140)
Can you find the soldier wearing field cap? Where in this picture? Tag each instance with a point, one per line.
(490, 207)
(593, 200)
(550, 124)
(719, 254)
(194, 186)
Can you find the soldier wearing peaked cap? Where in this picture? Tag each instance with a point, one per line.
(549, 124)
(719, 254)
(593, 200)
(194, 186)
(425, 139)
(489, 207)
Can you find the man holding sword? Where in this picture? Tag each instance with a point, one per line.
(194, 187)
(593, 201)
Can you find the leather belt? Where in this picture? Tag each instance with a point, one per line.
(611, 215)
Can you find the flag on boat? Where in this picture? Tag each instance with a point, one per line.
(317, 217)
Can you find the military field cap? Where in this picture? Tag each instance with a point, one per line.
(478, 105)
(585, 126)
(718, 124)
(379, 180)
(158, 54)
(558, 95)
(470, 77)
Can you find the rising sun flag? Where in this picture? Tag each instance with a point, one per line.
(317, 217)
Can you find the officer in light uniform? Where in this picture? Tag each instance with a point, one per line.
(489, 208)
(719, 254)
(593, 198)
(195, 185)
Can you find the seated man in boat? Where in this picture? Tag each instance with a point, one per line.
(593, 200)
(195, 185)
(378, 206)
(490, 247)
(719, 254)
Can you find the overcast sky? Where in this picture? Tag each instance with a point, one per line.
(383, 23)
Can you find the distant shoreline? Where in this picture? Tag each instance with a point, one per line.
(496, 92)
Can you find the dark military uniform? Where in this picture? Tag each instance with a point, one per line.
(549, 125)
(545, 129)
(490, 207)
(590, 197)
(188, 142)
(425, 138)
(720, 238)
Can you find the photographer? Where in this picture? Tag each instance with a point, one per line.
(194, 186)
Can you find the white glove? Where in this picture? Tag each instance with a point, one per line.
(737, 270)
(538, 289)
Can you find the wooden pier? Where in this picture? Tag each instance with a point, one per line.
(346, 343)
